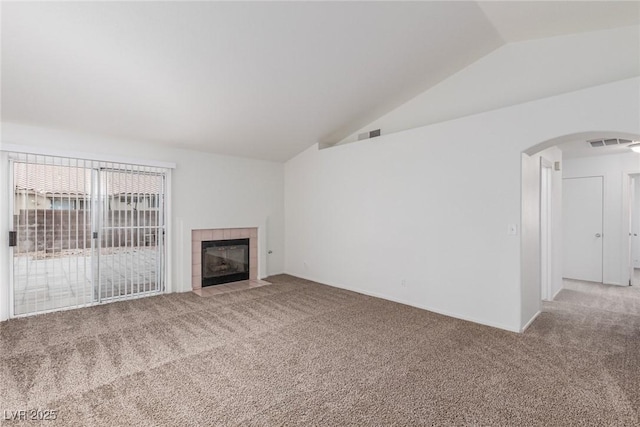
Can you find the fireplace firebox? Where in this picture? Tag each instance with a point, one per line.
(224, 261)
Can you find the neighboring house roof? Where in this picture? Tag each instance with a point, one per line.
(50, 179)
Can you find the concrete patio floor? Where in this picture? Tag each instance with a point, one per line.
(43, 282)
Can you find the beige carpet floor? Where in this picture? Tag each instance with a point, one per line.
(301, 353)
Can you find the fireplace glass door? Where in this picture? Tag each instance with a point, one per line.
(225, 261)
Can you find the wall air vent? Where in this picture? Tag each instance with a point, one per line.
(368, 135)
(608, 142)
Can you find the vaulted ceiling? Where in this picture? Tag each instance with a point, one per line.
(255, 79)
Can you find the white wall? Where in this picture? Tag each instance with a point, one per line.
(615, 231)
(208, 191)
(530, 236)
(520, 72)
(432, 205)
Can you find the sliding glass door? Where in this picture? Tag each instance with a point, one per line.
(85, 232)
(131, 232)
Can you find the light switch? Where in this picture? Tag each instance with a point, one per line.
(512, 229)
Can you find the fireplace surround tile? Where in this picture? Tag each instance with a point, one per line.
(198, 236)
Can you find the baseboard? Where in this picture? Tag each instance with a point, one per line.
(524, 328)
(411, 304)
(598, 283)
(557, 292)
(272, 274)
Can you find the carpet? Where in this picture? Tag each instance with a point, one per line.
(301, 353)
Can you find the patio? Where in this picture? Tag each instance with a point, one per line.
(66, 279)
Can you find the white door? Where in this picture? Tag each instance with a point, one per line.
(582, 228)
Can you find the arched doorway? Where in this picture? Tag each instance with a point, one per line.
(542, 228)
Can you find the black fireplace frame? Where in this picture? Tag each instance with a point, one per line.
(227, 278)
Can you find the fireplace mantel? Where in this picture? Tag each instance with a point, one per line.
(197, 236)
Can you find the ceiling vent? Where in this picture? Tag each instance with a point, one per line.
(608, 142)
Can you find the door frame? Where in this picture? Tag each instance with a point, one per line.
(11, 206)
(546, 229)
(626, 261)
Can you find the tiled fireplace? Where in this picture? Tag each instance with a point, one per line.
(219, 235)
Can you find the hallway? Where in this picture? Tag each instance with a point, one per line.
(577, 295)
(601, 325)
